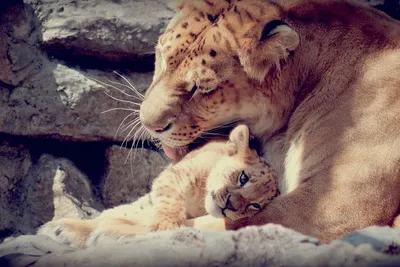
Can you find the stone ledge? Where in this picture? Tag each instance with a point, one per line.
(270, 245)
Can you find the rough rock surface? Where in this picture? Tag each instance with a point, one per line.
(57, 189)
(114, 30)
(61, 101)
(270, 245)
(43, 95)
(129, 175)
(32, 193)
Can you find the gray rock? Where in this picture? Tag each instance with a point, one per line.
(380, 238)
(44, 96)
(57, 189)
(32, 193)
(110, 29)
(129, 176)
(16, 44)
(64, 102)
(270, 245)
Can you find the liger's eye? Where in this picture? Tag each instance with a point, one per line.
(243, 179)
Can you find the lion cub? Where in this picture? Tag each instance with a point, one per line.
(222, 178)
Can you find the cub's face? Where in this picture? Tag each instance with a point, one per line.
(210, 70)
(241, 184)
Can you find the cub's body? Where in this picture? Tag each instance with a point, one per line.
(223, 179)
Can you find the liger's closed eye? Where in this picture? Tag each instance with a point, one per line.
(194, 88)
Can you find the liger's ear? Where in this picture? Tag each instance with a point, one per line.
(268, 50)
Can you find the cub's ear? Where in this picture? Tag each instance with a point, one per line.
(240, 138)
(268, 50)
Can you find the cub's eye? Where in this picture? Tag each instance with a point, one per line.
(255, 205)
(243, 179)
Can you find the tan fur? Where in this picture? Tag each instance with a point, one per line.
(396, 222)
(204, 181)
(322, 93)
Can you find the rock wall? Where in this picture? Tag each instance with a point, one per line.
(59, 153)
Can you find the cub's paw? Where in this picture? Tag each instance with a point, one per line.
(68, 231)
(165, 224)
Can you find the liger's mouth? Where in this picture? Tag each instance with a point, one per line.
(177, 153)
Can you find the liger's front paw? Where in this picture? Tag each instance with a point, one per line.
(68, 231)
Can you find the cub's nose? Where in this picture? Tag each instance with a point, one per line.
(158, 128)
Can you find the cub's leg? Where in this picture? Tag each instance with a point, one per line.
(170, 190)
(69, 231)
(124, 220)
(112, 230)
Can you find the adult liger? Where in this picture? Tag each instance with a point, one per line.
(318, 82)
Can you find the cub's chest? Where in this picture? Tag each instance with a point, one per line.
(195, 202)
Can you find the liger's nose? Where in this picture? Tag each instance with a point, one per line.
(158, 128)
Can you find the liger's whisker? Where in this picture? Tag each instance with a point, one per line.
(126, 109)
(137, 96)
(114, 87)
(121, 100)
(134, 144)
(129, 124)
(122, 123)
(129, 134)
(132, 87)
(140, 135)
(141, 138)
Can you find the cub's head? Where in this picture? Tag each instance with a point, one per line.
(217, 63)
(242, 183)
